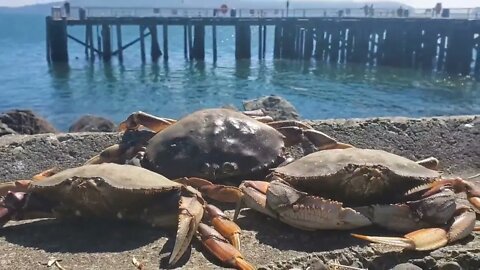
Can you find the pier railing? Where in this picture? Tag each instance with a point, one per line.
(78, 13)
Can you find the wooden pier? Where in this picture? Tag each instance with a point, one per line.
(451, 45)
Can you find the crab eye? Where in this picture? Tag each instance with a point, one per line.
(67, 182)
(205, 168)
(229, 167)
(99, 182)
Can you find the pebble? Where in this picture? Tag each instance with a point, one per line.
(317, 265)
(406, 266)
(450, 266)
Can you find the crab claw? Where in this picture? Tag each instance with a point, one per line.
(430, 238)
(190, 215)
(137, 119)
(254, 196)
(323, 141)
(14, 186)
(281, 201)
(112, 154)
(5, 215)
(224, 225)
(219, 193)
(458, 185)
(296, 132)
(9, 205)
(220, 248)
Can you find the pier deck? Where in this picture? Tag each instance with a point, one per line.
(450, 44)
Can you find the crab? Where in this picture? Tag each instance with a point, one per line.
(112, 191)
(352, 188)
(213, 144)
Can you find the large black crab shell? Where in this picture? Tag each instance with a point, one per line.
(214, 144)
(382, 177)
(105, 190)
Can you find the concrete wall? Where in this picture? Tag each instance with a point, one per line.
(455, 141)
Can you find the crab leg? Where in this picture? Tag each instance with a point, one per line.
(222, 249)
(458, 185)
(431, 238)
(137, 119)
(224, 225)
(296, 132)
(117, 153)
(221, 193)
(254, 113)
(429, 163)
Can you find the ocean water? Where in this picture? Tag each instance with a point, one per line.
(62, 93)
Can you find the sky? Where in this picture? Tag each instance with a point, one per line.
(414, 3)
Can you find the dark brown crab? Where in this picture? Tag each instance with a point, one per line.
(351, 188)
(213, 144)
(112, 191)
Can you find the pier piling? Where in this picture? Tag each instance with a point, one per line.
(214, 43)
(142, 43)
(277, 44)
(446, 45)
(243, 37)
(155, 51)
(106, 43)
(308, 48)
(165, 42)
(199, 42)
(58, 41)
(190, 43)
(119, 43)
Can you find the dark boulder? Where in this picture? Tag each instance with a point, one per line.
(92, 123)
(26, 122)
(276, 107)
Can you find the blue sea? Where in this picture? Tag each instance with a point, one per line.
(62, 93)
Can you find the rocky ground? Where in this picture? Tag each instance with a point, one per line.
(455, 141)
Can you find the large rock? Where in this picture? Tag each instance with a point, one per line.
(92, 123)
(26, 122)
(276, 107)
